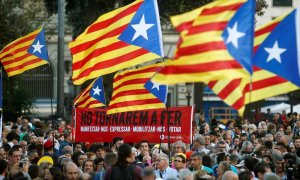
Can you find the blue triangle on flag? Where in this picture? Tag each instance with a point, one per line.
(158, 90)
(39, 47)
(97, 90)
(278, 53)
(144, 29)
(239, 33)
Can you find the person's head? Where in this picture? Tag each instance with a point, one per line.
(117, 141)
(247, 147)
(207, 139)
(144, 147)
(54, 173)
(229, 175)
(110, 159)
(14, 155)
(198, 142)
(238, 129)
(24, 146)
(271, 176)
(3, 167)
(81, 158)
(185, 174)
(179, 161)
(223, 167)
(245, 175)
(297, 142)
(250, 162)
(148, 173)
(100, 151)
(99, 163)
(125, 155)
(230, 124)
(33, 139)
(221, 146)
(233, 158)
(196, 160)
(72, 172)
(33, 171)
(236, 141)
(162, 161)
(260, 169)
(77, 147)
(88, 166)
(279, 163)
(243, 137)
(2, 153)
(179, 147)
(67, 135)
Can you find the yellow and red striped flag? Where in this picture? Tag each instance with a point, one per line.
(130, 93)
(25, 53)
(238, 92)
(207, 50)
(92, 96)
(122, 38)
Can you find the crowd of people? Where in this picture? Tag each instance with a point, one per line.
(266, 147)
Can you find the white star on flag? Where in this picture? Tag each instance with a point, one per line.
(141, 29)
(234, 35)
(155, 86)
(37, 47)
(275, 52)
(97, 91)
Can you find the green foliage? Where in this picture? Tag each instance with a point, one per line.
(16, 21)
(16, 99)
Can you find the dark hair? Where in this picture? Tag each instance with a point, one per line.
(3, 166)
(75, 157)
(33, 171)
(12, 135)
(250, 162)
(56, 173)
(116, 139)
(268, 144)
(182, 157)
(110, 159)
(144, 141)
(12, 150)
(245, 175)
(207, 161)
(97, 160)
(260, 167)
(123, 153)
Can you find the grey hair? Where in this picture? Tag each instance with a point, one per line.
(271, 176)
(200, 138)
(183, 173)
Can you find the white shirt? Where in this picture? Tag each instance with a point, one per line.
(166, 174)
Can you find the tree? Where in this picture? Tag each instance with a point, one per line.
(16, 21)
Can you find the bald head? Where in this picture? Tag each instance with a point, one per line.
(229, 175)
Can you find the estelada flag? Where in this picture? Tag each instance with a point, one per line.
(218, 45)
(92, 96)
(122, 38)
(264, 84)
(25, 53)
(132, 91)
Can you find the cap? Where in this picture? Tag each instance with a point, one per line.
(45, 159)
(48, 144)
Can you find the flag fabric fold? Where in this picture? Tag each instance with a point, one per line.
(119, 39)
(132, 91)
(239, 92)
(211, 45)
(25, 53)
(92, 96)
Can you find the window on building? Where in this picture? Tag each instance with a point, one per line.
(38, 82)
(282, 3)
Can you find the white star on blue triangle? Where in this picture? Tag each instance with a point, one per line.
(38, 47)
(158, 90)
(285, 36)
(238, 35)
(144, 29)
(97, 90)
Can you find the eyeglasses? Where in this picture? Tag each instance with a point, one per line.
(177, 160)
